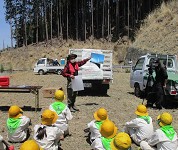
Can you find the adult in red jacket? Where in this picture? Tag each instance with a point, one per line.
(70, 71)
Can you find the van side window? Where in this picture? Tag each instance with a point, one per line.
(139, 64)
(41, 61)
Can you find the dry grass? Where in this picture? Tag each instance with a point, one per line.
(24, 58)
(160, 29)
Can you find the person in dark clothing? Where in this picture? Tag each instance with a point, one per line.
(159, 85)
(70, 71)
(56, 63)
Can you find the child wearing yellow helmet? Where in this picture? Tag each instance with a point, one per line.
(164, 138)
(30, 145)
(63, 112)
(140, 128)
(108, 131)
(121, 141)
(17, 125)
(46, 134)
(94, 126)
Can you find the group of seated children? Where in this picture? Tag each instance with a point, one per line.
(103, 132)
(47, 134)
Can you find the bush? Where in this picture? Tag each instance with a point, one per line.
(1, 68)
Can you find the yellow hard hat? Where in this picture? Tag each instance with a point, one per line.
(121, 141)
(48, 117)
(15, 111)
(101, 114)
(30, 145)
(59, 95)
(108, 129)
(141, 110)
(164, 119)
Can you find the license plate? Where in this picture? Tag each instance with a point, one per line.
(87, 84)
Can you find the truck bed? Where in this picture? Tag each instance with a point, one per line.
(93, 71)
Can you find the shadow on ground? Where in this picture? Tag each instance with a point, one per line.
(90, 92)
(24, 108)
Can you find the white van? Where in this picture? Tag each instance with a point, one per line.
(140, 73)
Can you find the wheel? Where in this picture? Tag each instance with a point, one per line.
(137, 91)
(59, 72)
(41, 72)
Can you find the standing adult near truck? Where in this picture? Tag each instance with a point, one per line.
(159, 85)
(70, 71)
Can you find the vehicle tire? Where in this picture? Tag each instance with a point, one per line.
(41, 72)
(137, 91)
(59, 72)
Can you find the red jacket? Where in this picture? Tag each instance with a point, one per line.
(67, 70)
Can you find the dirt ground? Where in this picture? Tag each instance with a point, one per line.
(120, 103)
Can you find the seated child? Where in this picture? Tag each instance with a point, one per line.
(140, 128)
(63, 112)
(94, 126)
(164, 138)
(17, 125)
(108, 131)
(46, 134)
(121, 141)
(30, 145)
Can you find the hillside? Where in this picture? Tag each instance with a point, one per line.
(158, 33)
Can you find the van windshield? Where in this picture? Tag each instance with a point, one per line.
(164, 62)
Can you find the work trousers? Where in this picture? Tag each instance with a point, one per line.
(71, 95)
(158, 97)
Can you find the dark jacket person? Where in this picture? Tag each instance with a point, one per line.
(160, 83)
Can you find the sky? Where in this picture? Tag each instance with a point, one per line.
(4, 28)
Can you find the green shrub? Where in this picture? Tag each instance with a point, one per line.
(1, 68)
(127, 71)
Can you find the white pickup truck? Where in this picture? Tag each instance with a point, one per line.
(95, 76)
(140, 74)
(45, 65)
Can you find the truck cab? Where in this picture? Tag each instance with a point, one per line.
(140, 72)
(45, 65)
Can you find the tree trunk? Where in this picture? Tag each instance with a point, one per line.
(103, 19)
(76, 20)
(51, 23)
(57, 7)
(60, 3)
(92, 30)
(67, 22)
(46, 23)
(37, 28)
(84, 20)
(108, 20)
(11, 32)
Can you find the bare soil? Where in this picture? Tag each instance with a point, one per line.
(120, 103)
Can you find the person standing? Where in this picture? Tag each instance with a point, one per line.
(164, 138)
(159, 84)
(70, 71)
